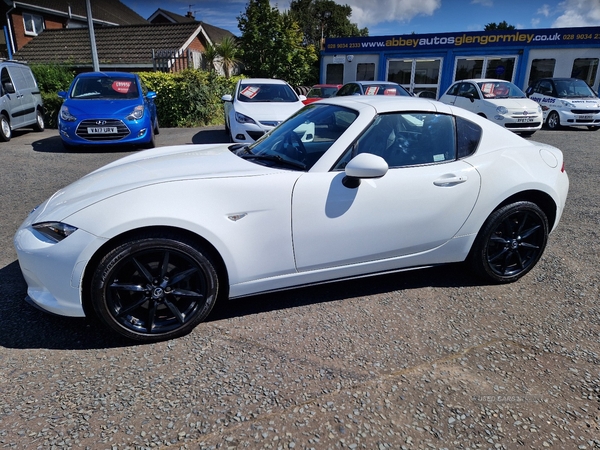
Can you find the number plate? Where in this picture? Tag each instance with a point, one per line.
(102, 130)
(524, 120)
(585, 117)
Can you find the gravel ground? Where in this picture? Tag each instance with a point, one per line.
(418, 360)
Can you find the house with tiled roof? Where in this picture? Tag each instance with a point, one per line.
(129, 47)
(23, 20)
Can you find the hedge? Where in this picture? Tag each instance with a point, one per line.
(189, 98)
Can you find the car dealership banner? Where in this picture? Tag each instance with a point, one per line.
(495, 38)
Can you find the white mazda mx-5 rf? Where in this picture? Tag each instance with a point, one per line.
(346, 187)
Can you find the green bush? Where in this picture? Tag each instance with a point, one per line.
(185, 99)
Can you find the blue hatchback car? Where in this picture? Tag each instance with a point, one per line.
(107, 108)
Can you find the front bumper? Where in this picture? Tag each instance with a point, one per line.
(53, 271)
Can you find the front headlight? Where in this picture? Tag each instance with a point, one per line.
(55, 231)
(239, 117)
(501, 110)
(137, 113)
(66, 115)
(567, 104)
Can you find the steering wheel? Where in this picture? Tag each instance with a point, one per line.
(295, 142)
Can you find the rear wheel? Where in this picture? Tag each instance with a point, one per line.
(5, 131)
(510, 242)
(153, 287)
(39, 121)
(553, 121)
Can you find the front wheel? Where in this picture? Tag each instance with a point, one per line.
(593, 128)
(553, 121)
(152, 288)
(5, 131)
(510, 242)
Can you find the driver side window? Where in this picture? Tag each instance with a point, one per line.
(407, 139)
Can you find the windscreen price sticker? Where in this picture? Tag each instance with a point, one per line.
(250, 91)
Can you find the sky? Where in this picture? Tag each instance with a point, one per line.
(395, 17)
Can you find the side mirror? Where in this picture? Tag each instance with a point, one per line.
(9, 87)
(227, 98)
(302, 97)
(364, 165)
(151, 95)
(62, 94)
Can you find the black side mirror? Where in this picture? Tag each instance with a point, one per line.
(9, 88)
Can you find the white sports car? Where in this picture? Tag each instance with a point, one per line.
(378, 184)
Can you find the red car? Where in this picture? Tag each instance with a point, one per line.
(319, 91)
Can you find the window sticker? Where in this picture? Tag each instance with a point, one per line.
(250, 91)
(372, 90)
(390, 91)
(121, 86)
(487, 88)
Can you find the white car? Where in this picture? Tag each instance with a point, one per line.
(566, 102)
(147, 243)
(500, 101)
(257, 106)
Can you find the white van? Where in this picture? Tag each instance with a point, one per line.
(20, 99)
(566, 102)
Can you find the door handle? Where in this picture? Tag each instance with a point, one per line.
(450, 180)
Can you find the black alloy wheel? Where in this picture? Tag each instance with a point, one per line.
(154, 288)
(510, 243)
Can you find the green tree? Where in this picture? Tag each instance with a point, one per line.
(210, 55)
(272, 45)
(228, 51)
(324, 18)
(493, 26)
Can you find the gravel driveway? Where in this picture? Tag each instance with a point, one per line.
(423, 359)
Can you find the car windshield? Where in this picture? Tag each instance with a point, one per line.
(574, 88)
(385, 89)
(301, 140)
(105, 88)
(500, 89)
(265, 92)
(322, 92)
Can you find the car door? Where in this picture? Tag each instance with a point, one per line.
(413, 208)
(27, 88)
(468, 98)
(12, 101)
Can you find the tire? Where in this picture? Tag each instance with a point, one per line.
(39, 125)
(5, 131)
(152, 142)
(154, 287)
(553, 121)
(527, 133)
(156, 127)
(510, 242)
(593, 128)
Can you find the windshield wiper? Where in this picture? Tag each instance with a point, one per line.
(274, 158)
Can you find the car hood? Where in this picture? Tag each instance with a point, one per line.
(514, 103)
(268, 111)
(160, 165)
(82, 108)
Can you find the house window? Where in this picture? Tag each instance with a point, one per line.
(34, 25)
